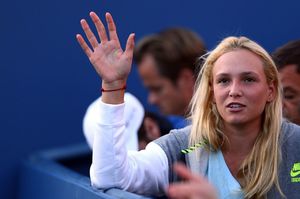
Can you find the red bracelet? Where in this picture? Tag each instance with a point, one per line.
(117, 89)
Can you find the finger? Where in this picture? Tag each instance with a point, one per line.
(183, 191)
(89, 34)
(99, 26)
(130, 46)
(84, 45)
(191, 190)
(112, 28)
(184, 172)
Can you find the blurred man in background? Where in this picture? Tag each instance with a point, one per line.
(167, 66)
(287, 59)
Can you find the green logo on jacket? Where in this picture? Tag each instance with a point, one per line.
(295, 172)
(193, 148)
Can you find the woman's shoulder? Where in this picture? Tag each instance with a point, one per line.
(290, 142)
(175, 140)
(290, 132)
(176, 136)
(290, 154)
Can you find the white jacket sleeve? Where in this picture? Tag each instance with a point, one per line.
(144, 172)
(133, 114)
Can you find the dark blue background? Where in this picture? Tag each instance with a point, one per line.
(46, 82)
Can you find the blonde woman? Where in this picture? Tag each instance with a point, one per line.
(237, 146)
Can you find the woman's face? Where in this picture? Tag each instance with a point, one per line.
(240, 88)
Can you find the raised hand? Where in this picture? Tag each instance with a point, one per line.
(110, 61)
(194, 186)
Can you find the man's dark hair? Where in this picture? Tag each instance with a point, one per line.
(288, 54)
(173, 50)
(165, 126)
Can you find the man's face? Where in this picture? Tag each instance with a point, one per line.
(290, 80)
(162, 91)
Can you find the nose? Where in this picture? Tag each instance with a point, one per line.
(235, 90)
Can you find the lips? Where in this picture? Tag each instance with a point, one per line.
(235, 106)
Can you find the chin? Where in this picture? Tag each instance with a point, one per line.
(235, 121)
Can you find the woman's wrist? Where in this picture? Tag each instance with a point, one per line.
(114, 89)
(113, 92)
(115, 85)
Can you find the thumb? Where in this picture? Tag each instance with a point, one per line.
(130, 46)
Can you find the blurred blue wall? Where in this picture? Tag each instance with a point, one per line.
(47, 82)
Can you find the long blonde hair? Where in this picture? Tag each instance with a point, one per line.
(260, 168)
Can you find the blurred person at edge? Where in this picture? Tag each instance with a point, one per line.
(287, 59)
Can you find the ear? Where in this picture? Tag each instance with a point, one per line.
(271, 92)
(185, 78)
(213, 98)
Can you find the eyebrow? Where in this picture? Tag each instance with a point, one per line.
(242, 74)
(289, 89)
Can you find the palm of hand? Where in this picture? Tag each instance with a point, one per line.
(110, 62)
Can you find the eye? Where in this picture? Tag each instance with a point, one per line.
(288, 96)
(223, 81)
(249, 79)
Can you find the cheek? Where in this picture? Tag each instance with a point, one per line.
(219, 95)
(169, 91)
(219, 101)
(257, 94)
(286, 103)
(165, 94)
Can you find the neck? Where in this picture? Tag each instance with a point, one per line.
(241, 139)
